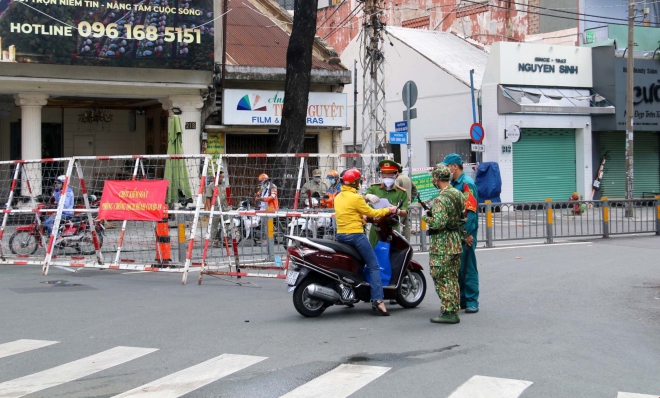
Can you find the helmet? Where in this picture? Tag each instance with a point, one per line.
(263, 177)
(92, 198)
(61, 179)
(333, 174)
(350, 176)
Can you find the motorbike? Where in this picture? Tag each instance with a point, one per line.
(74, 232)
(305, 226)
(323, 273)
(247, 227)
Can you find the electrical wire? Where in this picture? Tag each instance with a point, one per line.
(343, 20)
(330, 16)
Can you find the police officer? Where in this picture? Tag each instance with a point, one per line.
(469, 276)
(387, 190)
(312, 187)
(406, 183)
(445, 221)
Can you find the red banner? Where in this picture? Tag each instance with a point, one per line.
(133, 200)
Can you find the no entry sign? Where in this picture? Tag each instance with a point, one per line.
(477, 133)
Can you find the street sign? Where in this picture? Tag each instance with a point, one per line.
(398, 137)
(512, 133)
(413, 114)
(409, 94)
(401, 126)
(477, 133)
(425, 187)
(478, 148)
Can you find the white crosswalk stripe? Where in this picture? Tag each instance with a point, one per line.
(633, 395)
(340, 382)
(194, 377)
(71, 371)
(490, 387)
(20, 346)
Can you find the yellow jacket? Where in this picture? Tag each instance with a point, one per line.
(349, 209)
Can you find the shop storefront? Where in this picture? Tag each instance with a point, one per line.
(538, 103)
(610, 70)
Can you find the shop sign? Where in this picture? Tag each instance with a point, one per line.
(544, 65)
(646, 100)
(151, 34)
(264, 108)
(133, 200)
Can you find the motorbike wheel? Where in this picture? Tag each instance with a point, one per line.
(23, 242)
(412, 290)
(86, 243)
(306, 305)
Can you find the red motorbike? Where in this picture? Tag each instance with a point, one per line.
(324, 272)
(74, 232)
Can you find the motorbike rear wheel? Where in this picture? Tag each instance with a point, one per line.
(305, 304)
(23, 242)
(86, 243)
(412, 289)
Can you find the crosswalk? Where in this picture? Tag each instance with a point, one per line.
(340, 382)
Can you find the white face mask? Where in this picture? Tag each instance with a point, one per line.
(317, 179)
(388, 182)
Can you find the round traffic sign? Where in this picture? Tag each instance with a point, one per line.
(477, 133)
(409, 94)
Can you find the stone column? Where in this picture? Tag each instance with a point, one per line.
(191, 112)
(31, 104)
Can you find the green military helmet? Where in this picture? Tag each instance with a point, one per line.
(441, 172)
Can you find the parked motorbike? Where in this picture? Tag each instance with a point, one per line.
(303, 226)
(74, 233)
(323, 272)
(243, 227)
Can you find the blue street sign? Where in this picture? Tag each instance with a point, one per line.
(398, 137)
(401, 127)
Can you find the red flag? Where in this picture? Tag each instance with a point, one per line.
(470, 201)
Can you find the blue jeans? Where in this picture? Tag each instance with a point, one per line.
(361, 243)
(48, 224)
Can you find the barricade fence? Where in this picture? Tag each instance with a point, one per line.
(223, 227)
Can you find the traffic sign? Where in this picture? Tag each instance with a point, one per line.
(409, 94)
(398, 137)
(477, 133)
(401, 126)
(478, 148)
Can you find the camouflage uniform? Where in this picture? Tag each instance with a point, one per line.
(446, 222)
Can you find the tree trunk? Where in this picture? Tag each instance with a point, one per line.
(298, 76)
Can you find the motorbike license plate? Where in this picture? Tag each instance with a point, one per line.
(292, 277)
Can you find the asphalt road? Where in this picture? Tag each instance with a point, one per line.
(580, 319)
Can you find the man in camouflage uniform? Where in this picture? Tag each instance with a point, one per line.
(445, 221)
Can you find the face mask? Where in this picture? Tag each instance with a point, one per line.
(332, 181)
(261, 183)
(388, 182)
(317, 179)
(222, 181)
(451, 177)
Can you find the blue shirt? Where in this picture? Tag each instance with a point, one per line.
(334, 188)
(68, 201)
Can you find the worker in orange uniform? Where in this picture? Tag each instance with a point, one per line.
(266, 199)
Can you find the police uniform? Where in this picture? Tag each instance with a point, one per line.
(393, 195)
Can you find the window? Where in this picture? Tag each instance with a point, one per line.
(439, 149)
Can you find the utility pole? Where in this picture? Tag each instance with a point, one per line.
(373, 83)
(630, 112)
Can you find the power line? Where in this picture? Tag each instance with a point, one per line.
(343, 20)
(333, 13)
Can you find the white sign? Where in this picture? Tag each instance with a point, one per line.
(513, 133)
(264, 108)
(478, 148)
(529, 64)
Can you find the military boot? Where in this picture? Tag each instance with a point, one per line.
(446, 318)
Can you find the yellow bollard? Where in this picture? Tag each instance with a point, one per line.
(550, 221)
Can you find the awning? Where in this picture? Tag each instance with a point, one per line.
(526, 99)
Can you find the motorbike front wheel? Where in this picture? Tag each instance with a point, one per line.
(23, 242)
(412, 289)
(86, 243)
(305, 304)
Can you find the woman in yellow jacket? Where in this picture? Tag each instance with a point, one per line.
(350, 207)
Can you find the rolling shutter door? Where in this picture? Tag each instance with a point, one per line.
(646, 164)
(613, 183)
(544, 165)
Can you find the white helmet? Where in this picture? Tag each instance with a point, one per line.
(61, 178)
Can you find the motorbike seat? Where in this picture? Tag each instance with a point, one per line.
(340, 248)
